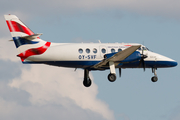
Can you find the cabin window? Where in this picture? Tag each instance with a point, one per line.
(143, 48)
(119, 49)
(94, 50)
(113, 50)
(103, 50)
(80, 51)
(87, 50)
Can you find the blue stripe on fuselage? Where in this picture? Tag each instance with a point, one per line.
(88, 64)
(21, 41)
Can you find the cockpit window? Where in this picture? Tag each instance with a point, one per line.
(143, 48)
(147, 49)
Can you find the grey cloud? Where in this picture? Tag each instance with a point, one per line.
(8, 71)
(11, 110)
(9, 94)
(175, 114)
(165, 8)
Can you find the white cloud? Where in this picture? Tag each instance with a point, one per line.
(166, 8)
(51, 85)
(46, 87)
(10, 110)
(175, 114)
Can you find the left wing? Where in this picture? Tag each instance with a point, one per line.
(120, 56)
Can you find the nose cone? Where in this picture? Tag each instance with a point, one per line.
(168, 62)
(172, 63)
(162, 61)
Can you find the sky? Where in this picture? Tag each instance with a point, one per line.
(42, 92)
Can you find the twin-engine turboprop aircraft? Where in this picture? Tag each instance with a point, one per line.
(88, 56)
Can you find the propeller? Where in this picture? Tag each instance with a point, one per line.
(142, 60)
(119, 72)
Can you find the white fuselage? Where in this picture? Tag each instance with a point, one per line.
(82, 55)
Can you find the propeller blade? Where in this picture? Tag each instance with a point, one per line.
(140, 62)
(119, 72)
(143, 64)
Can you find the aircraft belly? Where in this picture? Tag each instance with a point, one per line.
(150, 64)
(72, 64)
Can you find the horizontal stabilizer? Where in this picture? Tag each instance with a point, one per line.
(31, 37)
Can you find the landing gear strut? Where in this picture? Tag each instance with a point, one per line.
(112, 75)
(154, 78)
(87, 81)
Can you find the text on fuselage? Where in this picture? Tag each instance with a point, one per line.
(87, 57)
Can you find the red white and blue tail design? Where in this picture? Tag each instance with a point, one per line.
(27, 43)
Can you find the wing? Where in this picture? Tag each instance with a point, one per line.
(116, 58)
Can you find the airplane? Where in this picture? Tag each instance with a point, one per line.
(87, 56)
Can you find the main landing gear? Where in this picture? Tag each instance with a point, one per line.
(112, 75)
(87, 81)
(154, 78)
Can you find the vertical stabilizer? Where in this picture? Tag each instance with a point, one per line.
(27, 43)
(16, 27)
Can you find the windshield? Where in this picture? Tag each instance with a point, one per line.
(143, 48)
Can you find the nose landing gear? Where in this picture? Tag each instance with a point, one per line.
(154, 78)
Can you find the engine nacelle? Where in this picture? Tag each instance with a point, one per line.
(135, 56)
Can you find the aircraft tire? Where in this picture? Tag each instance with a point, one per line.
(87, 83)
(111, 77)
(154, 79)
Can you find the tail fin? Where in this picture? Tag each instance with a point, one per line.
(26, 41)
(16, 27)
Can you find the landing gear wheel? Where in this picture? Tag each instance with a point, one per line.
(111, 77)
(154, 79)
(87, 83)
